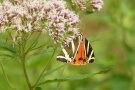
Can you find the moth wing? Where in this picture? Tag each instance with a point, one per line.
(67, 53)
(84, 52)
(89, 51)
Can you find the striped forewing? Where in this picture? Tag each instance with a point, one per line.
(89, 51)
(70, 49)
(68, 52)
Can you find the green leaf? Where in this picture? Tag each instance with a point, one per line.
(7, 46)
(6, 55)
(53, 70)
(38, 88)
(66, 78)
(76, 76)
(105, 70)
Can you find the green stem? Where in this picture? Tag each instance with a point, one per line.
(31, 46)
(22, 44)
(42, 73)
(25, 73)
(6, 77)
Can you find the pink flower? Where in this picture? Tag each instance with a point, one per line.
(2, 19)
(96, 5)
(38, 15)
(61, 20)
(68, 40)
(80, 4)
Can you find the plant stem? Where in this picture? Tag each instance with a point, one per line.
(6, 77)
(23, 60)
(31, 46)
(25, 73)
(40, 76)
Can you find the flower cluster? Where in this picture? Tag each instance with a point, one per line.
(2, 20)
(96, 5)
(22, 15)
(61, 21)
(36, 15)
(80, 4)
(67, 40)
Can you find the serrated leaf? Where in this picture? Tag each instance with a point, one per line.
(66, 78)
(76, 76)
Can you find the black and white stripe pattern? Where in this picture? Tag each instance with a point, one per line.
(68, 53)
(89, 51)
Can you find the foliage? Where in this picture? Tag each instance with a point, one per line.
(112, 36)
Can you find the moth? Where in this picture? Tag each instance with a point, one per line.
(77, 52)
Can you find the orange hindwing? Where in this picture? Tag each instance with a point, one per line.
(78, 52)
(80, 57)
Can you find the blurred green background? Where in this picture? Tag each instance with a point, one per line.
(111, 33)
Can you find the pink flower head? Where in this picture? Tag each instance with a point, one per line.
(96, 5)
(37, 15)
(80, 4)
(61, 20)
(68, 40)
(2, 19)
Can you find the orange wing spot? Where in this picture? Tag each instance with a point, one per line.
(80, 57)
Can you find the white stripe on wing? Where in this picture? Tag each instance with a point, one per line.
(90, 57)
(73, 46)
(88, 47)
(66, 55)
